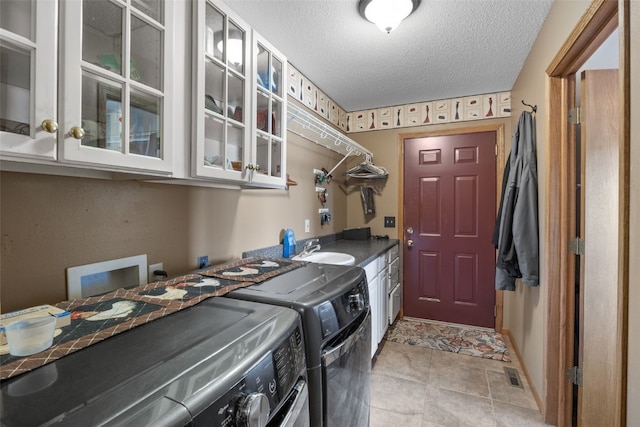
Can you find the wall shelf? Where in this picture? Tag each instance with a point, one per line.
(306, 125)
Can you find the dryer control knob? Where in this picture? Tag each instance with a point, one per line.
(252, 410)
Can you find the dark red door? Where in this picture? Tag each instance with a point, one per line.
(449, 216)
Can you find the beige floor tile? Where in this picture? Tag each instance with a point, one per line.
(388, 418)
(476, 362)
(452, 408)
(460, 390)
(404, 361)
(501, 390)
(397, 395)
(511, 415)
(451, 374)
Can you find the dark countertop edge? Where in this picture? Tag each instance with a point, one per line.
(364, 251)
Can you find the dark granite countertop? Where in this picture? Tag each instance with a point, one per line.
(364, 251)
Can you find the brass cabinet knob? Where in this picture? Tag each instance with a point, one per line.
(77, 132)
(250, 167)
(49, 125)
(410, 243)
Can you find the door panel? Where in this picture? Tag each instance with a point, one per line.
(599, 336)
(450, 199)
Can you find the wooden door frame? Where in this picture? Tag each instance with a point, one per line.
(597, 23)
(500, 161)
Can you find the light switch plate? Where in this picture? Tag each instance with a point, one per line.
(389, 221)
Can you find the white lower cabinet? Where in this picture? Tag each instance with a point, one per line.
(393, 289)
(385, 294)
(374, 303)
(376, 279)
(383, 321)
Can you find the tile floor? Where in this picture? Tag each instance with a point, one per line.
(414, 386)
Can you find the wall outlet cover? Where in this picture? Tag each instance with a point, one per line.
(203, 261)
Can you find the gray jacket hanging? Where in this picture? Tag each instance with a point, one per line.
(517, 232)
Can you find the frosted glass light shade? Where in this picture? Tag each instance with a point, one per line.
(387, 14)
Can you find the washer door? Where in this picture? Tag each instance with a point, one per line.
(346, 375)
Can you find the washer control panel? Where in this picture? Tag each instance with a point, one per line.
(261, 390)
(343, 309)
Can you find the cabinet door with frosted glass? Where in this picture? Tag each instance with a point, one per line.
(116, 105)
(268, 164)
(28, 64)
(220, 93)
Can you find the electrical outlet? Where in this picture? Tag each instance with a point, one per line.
(307, 225)
(203, 261)
(389, 221)
(154, 267)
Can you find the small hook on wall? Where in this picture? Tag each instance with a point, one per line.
(534, 108)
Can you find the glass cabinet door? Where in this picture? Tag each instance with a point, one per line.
(270, 71)
(115, 86)
(28, 119)
(220, 93)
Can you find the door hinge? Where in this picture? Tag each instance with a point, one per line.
(496, 150)
(495, 311)
(574, 375)
(575, 116)
(576, 246)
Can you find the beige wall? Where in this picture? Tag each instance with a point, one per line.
(50, 223)
(633, 374)
(525, 309)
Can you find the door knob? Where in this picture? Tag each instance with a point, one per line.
(410, 230)
(77, 132)
(49, 125)
(410, 243)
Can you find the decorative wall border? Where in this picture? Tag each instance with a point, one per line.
(468, 108)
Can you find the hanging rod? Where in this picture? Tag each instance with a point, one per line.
(534, 108)
(306, 125)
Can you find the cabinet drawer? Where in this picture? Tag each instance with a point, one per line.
(395, 302)
(393, 280)
(394, 266)
(392, 254)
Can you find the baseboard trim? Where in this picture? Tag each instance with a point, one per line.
(534, 391)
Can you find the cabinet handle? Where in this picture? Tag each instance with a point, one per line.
(250, 167)
(49, 125)
(257, 167)
(77, 132)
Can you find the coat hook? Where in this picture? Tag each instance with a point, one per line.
(534, 108)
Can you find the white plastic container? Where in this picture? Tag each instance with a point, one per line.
(30, 336)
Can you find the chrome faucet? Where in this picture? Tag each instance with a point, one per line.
(310, 247)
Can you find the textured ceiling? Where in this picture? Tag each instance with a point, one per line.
(445, 49)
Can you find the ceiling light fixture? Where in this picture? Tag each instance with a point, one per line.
(387, 14)
(235, 47)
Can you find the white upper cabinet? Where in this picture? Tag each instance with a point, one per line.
(239, 103)
(115, 66)
(269, 114)
(220, 93)
(28, 46)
